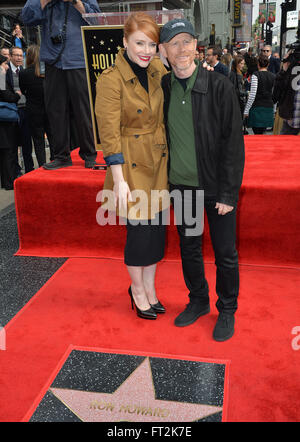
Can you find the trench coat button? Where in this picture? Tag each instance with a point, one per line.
(133, 165)
(139, 111)
(164, 154)
(136, 136)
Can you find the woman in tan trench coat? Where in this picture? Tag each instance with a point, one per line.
(129, 111)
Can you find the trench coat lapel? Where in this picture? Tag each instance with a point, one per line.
(153, 80)
(130, 77)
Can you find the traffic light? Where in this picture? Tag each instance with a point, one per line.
(290, 5)
(269, 33)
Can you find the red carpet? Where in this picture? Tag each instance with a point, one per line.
(85, 306)
(56, 210)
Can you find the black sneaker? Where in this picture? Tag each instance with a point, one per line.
(57, 164)
(191, 313)
(224, 328)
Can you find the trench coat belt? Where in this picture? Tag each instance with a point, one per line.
(139, 131)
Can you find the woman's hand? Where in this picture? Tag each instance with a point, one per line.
(122, 195)
(121, 189)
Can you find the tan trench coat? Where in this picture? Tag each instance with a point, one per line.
(130, 122)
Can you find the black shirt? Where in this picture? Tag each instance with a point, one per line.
(140, 72)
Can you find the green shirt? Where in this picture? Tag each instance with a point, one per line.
(183, 161)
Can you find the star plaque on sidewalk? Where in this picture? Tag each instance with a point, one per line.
(110, 387)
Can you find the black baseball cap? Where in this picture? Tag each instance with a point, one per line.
(174, 27)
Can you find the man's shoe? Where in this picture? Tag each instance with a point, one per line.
(224, 328)
(57, 164)
(191, 313)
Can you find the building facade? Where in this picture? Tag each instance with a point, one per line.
(212, 20)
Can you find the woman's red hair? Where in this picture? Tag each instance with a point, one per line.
(140, 21)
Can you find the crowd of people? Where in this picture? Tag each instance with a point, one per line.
(40, 82)
(24, 86)
(253, 77)
(261, 82)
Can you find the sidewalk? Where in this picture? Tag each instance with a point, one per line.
(7, 197)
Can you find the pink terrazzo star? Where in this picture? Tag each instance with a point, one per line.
(133, 401)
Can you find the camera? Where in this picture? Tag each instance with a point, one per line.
(294, 57)
(57, 39)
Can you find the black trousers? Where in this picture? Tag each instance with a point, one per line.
(25, 140)
(223, 236)
(39, 126)
(7, 168)
(65, 88)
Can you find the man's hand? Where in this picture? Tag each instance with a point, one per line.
(223, 208)
(44, 3)
(79, 6)
(207, 66)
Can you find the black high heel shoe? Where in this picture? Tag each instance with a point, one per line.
(158, 307)
(145, 314)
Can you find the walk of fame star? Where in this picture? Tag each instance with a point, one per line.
(135, 401)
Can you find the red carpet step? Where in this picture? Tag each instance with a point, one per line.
(86, 305)
(56, 210)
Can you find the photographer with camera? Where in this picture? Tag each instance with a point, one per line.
(287, 91)
(65, 76)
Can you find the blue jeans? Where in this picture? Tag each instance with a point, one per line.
(223, 236)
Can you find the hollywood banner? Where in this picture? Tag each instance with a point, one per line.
(101, 45)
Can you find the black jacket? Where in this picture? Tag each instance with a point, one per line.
(33, 89)
(274, 65)
(218, 134)
(9, 76)
(284, 93)
(222, 69)
(8, 130)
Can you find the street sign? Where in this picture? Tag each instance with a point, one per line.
(292, 19)
(237, 13)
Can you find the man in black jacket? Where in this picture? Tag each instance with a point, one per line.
(15, 67)
(286, 93)
(274, 63)
(213, 57)
(204, 129)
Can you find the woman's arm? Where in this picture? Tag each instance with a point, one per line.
(252, 95)
(108, 113)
